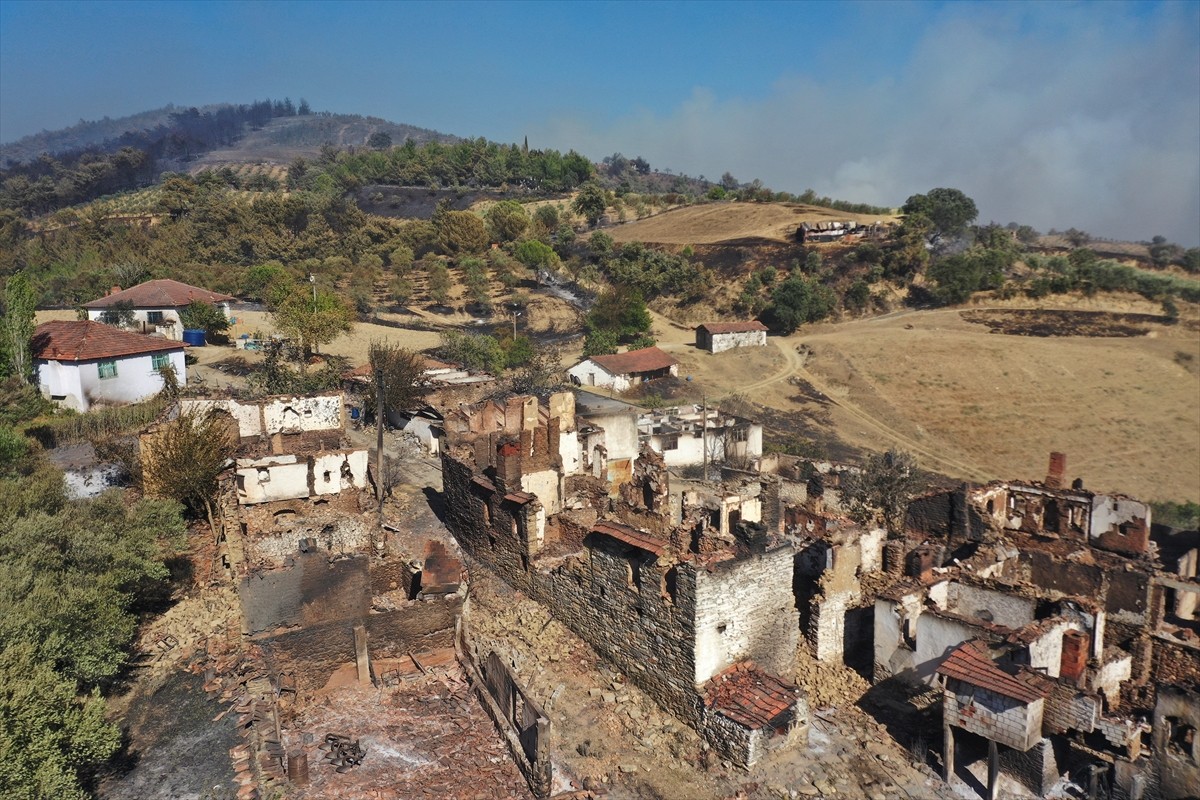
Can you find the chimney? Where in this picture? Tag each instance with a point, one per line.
(920, 563)
(114, 290)
(1058, 468)
(1074, 655)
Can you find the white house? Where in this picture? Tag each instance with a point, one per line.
(81, 363)
(156, 304)
(716, 337)
(623, 370)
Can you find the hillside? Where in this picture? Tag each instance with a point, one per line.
(84, 134)
(285, 138)
(724, 222)
(1118, 396)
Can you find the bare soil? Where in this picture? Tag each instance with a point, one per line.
(725, 222)
(977, 405)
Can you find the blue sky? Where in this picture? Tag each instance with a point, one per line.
(1061, 114)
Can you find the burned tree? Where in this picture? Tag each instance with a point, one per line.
(882, 491)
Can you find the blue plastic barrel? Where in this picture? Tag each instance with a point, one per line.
(194, 337)
(354, 412)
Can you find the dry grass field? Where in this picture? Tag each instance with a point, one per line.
(979, 405)
(722, 222)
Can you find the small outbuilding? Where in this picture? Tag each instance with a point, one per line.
(156, 305)
(624, 370)
(80, 363)
(717, 337)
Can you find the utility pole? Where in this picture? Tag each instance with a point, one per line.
(704, 432)
(379, 411)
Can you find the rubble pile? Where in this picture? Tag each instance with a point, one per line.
(423, 734)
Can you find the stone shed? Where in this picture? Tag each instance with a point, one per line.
(717, 337)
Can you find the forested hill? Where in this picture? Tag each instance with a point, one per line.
(85, 134)
(266, 130)
(263, 125)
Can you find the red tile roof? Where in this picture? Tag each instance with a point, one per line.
(648, 359)
(749, 696)
(159, 294)
(631, 536)
(732, 327)
(971, 663)
(83, 340)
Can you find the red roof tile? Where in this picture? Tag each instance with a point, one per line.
(83, 340)
(971, 664)
(749, 696)
(648, 359)
(732, 327)
(159, 294)
(631, 536)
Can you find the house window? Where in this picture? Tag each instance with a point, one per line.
(107, 369)
(739, 434)
(160, 361)
(670, 443)
(154, 317)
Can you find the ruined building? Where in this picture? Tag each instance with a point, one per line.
(696, 608)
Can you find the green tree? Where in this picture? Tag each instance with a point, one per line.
(50, 736)
(796, 301)
(621, 312)
(477, 351)
(949, 211)
(400, 290)
(177, 195)
(507, 220)
(460, 233)
(439, 283)
(547, 218)
(198, 315)
(1191, 260)
(265, 281)
(590, 202)
(401, 259)
(600, 343)
(536, 255)
(17, 326)
(857, 296)
(379, 140)
(312, 317)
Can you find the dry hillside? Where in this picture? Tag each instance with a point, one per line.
(723, 222)
(976, 404)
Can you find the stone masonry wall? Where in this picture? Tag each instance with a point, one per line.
(746, 609)
(640, 612)
(1036, 768)
(616, 601)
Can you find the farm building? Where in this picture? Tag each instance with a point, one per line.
(717, 337)
(624, 370)
(81, 363)
(156, 305)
